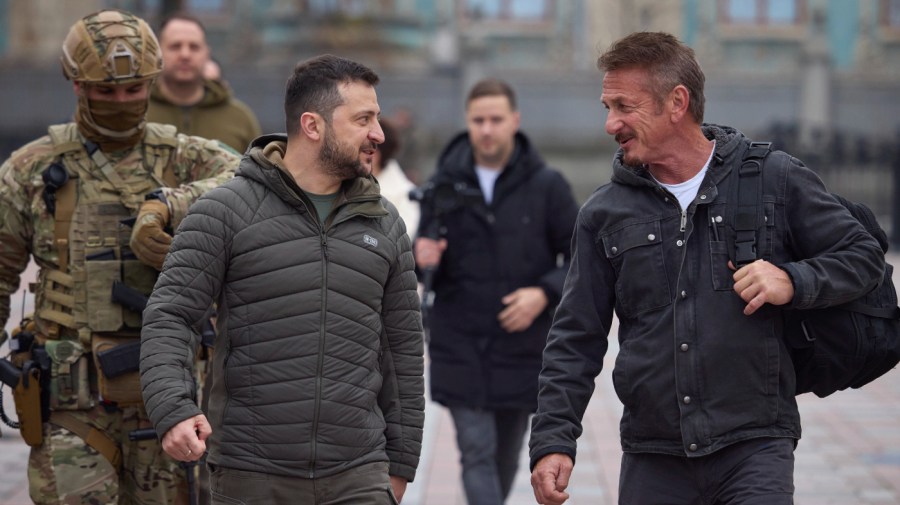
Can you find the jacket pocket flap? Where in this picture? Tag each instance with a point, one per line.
(637, 235)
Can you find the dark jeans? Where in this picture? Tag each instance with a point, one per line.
(755, 472)
(489, 443)
(367, 484)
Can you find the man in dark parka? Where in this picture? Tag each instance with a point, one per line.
(496, 224)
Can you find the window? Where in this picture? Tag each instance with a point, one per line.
(762, 12)
(354, 8)
(508, 10)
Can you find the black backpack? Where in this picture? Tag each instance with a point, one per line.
(832, 349)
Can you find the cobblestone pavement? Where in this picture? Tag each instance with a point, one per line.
(849, 454)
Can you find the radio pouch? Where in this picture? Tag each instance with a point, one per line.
(117, 360)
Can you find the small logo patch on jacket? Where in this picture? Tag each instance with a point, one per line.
(372, 241)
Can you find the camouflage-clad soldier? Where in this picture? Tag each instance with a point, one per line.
(94, 203)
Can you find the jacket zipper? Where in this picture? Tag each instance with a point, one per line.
(321, 356)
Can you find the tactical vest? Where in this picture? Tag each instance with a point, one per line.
(77, 310)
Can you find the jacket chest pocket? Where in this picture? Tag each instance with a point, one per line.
(636, 253)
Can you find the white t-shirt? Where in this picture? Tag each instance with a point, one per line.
(686, 191)
(487, 177)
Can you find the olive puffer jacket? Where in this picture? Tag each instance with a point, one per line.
(318, 363)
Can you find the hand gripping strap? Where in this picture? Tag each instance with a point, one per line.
(748, 215)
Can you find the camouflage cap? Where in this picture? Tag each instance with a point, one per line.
(111, 46)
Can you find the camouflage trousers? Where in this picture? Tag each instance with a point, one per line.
(65, 470)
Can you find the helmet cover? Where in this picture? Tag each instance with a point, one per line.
(111, 46)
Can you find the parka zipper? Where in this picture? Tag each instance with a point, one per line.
(321, 354)
(329, 222)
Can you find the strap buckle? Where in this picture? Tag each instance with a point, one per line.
(745, 252)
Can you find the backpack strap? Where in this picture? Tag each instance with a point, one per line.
(748, 217)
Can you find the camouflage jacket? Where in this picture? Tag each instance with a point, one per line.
(27, 226)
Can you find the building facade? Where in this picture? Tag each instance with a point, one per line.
(810, 72)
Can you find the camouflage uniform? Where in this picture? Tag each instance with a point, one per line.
(73, 314)
(64, 466)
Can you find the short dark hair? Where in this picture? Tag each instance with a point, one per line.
(180, 16)
(492, 87)
(669, 61)
(313, 87)
(391, 143)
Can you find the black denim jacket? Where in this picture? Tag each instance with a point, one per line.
(693, 372)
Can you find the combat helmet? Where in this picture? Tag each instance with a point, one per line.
(111, 46)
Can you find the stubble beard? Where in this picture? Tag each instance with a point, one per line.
(630, 160)
(338, 163)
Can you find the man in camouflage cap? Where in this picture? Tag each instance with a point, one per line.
(94, 202)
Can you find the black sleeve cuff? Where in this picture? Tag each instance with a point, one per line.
(560, 449)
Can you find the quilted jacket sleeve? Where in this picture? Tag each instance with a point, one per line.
(402, 395)
(187, 287)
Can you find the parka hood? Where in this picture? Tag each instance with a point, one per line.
(264, 163)
(457, 161)
(216, 93)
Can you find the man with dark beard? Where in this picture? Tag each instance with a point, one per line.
(183, 96)
(65, 201)
(317, 381)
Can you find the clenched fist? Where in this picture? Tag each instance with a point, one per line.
(149, 241)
